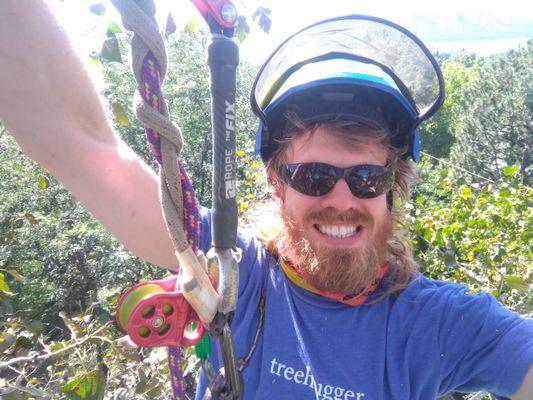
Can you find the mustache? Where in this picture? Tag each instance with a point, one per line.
(330, 215)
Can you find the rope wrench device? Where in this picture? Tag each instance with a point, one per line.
(223, 58)
(178, 310)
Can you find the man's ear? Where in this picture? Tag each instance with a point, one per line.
(390, 200)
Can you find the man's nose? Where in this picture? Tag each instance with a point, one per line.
(340, 197)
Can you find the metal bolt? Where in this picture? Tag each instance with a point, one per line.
(157, 322)
(228, 13)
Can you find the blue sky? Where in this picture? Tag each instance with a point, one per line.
(484, 26)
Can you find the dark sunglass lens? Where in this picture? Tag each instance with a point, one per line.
(313, 179)
(370, 181)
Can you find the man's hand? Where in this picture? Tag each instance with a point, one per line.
(50, 105)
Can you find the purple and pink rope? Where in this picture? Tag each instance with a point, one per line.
(151, 93)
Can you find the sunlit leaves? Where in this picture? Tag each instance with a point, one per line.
(6, 341)
(111, 50)
(26, 392)
(18, 277)
(113, 28)
(517, 282)
(263, 16)
(478, 234)
(4, 287)
(241, 29)
(193, 25)
(31, 218)
(88, 386)
(489, 113)
(120, 114)
(170, 26)
(510, 170)
(44, 182)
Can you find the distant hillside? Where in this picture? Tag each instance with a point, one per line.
(484, 25)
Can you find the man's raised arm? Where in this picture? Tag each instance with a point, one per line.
(50, 105)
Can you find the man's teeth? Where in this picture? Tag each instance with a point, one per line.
(337, 231)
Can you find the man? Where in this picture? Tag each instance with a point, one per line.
(345, 316)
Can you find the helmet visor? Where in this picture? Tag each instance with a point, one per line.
(389, 52)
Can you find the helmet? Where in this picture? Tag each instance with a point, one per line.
(355, 67)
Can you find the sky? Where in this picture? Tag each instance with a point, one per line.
(482, 26)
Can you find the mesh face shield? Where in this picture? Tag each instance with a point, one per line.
(354, 67)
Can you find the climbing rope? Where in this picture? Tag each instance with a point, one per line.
(179, 205)
(149, 64)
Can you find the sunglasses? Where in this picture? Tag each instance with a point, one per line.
(317, 179)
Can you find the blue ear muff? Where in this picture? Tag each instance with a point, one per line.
(415, 145)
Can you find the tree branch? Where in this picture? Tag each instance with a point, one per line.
(41, 357)
(8, 159)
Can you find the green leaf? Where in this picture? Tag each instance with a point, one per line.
(240, 36)
(449, 259)
(444, 173)
(510, 170)
(95, 59)
(120, 114)
(467, 192)
(33, 392)
(34, 326)
(265, 22)
(241, 29)
(111, 50)
(31, 218)
(89, 386)
(11, 394)
(44, 183)
(6, 341)
(113, 28)
(171, 24)
(141, 385)
(505, 193)
(242, 24)
(192, 26)
(24, 342)
(14, 273)
(98, 9)
(3, 285)
(516, 282)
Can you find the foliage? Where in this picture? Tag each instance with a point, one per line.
(478, 234)
(438, 134)
(489, 113)
(60, 274)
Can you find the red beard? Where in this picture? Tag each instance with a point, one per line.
(336, 270)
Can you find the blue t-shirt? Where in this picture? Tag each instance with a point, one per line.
(431, 339)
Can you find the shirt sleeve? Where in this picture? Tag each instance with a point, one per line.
(487, 347)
